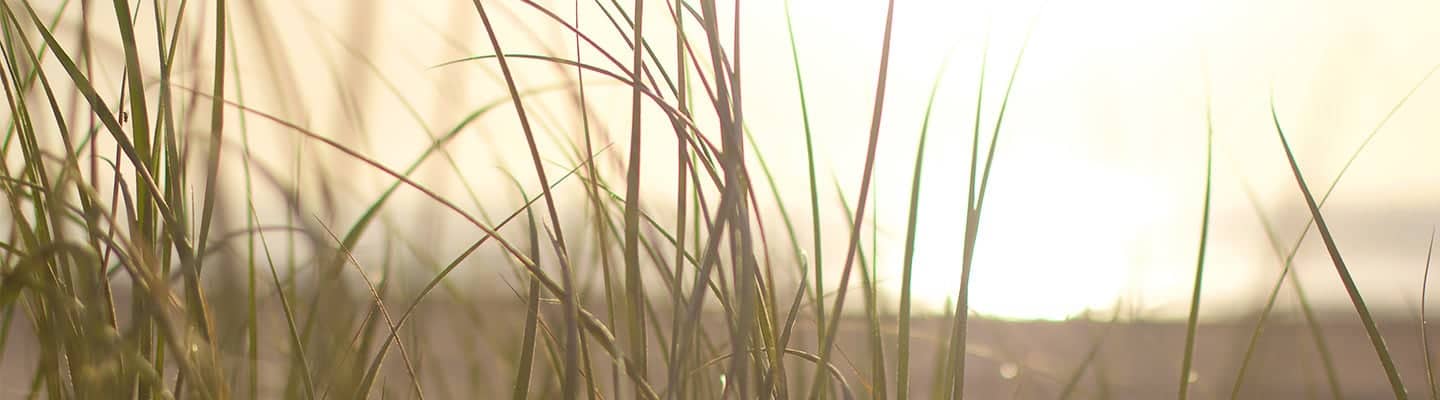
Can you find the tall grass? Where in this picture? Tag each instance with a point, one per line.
(135, 266)
(1366, 318)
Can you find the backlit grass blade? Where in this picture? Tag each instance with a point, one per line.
(777, 356)
(1424, 333)
(1090, 356)
(368, 380)
(828, 341)
(634, 284)
(876, 384)
(975, 203)
(295, 343)
(817, 237)
(572, 326)
(902, 373)
(1391, 373)
(1193, 320)
(521, 387)
(1307, 311)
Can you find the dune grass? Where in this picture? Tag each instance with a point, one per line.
(1366, 318)
(134, 267)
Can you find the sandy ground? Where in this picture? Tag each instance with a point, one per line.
(1027, 360)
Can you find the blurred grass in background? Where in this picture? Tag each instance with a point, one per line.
(215, 200)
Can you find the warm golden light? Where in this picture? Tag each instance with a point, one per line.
(1057, 242)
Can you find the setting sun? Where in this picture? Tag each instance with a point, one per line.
(1057, 241)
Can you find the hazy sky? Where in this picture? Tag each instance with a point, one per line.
(1097, 186)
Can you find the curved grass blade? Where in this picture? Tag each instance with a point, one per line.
(902, 373)
(975, 202)
(572, 308)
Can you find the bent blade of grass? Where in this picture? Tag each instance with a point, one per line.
(701, 143)
(591, 325)
(572, 325)
(435, 281)
(834, 371)
(648, 51)
(1391, 373)
(437, 145)
(395, 91)
(368, 380)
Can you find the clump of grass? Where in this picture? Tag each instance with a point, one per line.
(126, 238)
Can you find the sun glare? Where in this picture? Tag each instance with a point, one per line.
(1061, 227)
(1057, 240)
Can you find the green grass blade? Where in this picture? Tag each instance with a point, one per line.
(902, 373)
(634, 284)
(1424, 332)
(817, 237)
(1285, 272)
(1192, 322)
(1371, 329)
(975, 205)
(828, 342)
(875, 385)
(572, 325)
(1286, 261)
(296, 344)
(217, 131)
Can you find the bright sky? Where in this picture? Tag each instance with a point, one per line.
(1096, 194)
(1096, 202)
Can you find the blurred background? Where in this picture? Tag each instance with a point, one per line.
(1098, 178)
(1099, 170)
